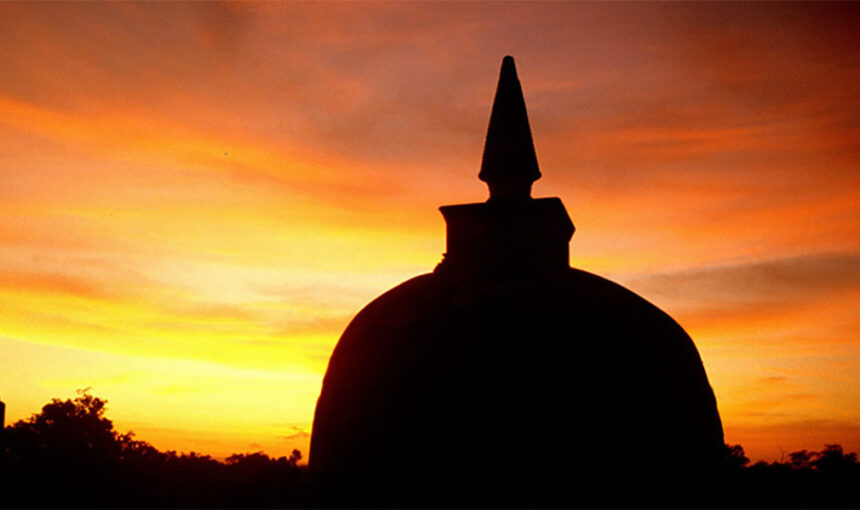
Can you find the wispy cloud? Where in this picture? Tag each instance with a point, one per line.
(805, 279)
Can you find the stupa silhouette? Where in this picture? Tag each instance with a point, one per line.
(505, 373)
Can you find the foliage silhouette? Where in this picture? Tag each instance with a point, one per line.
(809, 479)
(69, 455)
(833, 460)
(735, 456)
(800, 459)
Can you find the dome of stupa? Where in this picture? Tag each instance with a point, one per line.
(506, 371)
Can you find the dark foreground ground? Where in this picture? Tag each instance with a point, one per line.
(69, 456)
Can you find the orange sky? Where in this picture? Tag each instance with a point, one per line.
(195, 198)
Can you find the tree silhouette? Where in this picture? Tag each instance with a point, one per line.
(73, 429)
(735, 457)
(63, 447)
(801, 459)
(69, 455)
(260, 458)
(833, 460)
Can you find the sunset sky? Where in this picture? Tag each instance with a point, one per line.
(195, 198)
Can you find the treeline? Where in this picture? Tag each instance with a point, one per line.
(805, 479)
(69, 455)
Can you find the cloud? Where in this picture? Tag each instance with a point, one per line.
(55, 284)
(771, 380)
(790, 302)
(298, 435)
(315, 326)
(794, 279)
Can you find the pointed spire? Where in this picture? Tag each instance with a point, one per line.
(509, 166)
